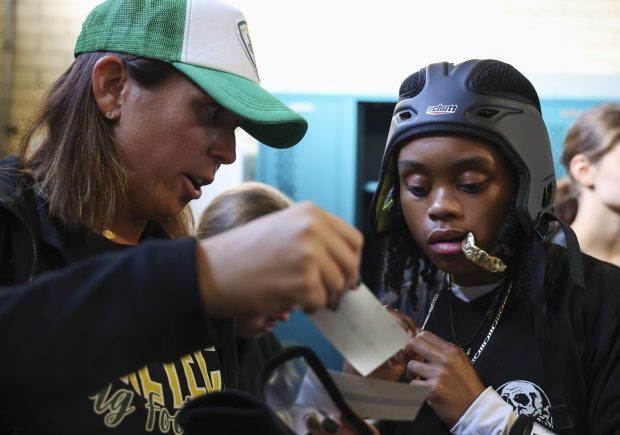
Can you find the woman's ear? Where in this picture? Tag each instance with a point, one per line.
(582, 170)
(110, 77)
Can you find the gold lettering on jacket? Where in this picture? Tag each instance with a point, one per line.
(117, 404)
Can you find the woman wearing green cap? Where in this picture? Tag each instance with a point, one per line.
(517, 335)
(100, 335)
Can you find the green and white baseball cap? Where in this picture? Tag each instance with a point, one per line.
(207, 40)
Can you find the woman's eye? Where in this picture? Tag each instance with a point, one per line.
(418, 191)
(214, 110)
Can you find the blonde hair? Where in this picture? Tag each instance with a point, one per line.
(71, 154)
(239, 205)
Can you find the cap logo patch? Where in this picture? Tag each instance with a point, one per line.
(246, 42)
(441, 109)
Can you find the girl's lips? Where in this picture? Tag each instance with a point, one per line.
(446, 235)
(447, 248)
(446, 241)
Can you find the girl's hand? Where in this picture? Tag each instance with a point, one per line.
(454, 382)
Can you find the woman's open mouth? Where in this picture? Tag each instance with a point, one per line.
(194, 185)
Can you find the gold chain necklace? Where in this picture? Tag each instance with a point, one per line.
(493, 326)
(108, 234)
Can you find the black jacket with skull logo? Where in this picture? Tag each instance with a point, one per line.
(586, 336)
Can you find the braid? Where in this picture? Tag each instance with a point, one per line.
(429, 273)
(395, 263)
(404, 254)
(508, 233)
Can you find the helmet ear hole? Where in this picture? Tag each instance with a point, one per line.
(547, 195)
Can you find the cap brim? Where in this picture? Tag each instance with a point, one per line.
(266, 118)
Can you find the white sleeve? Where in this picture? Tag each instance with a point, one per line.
(489, 414)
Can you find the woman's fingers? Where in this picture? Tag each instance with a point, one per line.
(299, 257)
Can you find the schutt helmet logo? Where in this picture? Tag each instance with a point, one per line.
(441, 109)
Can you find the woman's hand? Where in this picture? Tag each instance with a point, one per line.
(454, 382)
(301, 257)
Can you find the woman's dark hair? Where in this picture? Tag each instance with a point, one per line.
(70, 151)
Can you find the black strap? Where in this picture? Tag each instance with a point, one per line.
(562, 420)
(522, 426)
(346, 413)
(575, 268)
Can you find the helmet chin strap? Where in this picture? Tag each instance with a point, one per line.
(574, 252)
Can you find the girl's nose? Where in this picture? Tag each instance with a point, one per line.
(444, 205)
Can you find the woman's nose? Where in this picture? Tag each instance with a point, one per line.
(223, 147)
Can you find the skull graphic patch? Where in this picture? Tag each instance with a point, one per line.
(527, 399)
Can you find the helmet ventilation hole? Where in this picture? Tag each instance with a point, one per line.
(487, 113)
(403, 116)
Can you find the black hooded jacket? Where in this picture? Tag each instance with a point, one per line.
(68, 328)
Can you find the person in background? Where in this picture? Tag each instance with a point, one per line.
(252, 342)
(107, 325)
(592, 159)
(566, 206)
(517, 335)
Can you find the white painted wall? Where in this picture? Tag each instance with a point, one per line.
(351, 46)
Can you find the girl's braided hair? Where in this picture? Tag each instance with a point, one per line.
(405, 258)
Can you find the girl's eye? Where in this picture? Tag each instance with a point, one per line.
(472, 187)
(419, 191)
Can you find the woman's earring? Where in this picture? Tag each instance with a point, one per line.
(109, 115)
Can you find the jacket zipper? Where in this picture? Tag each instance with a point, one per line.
(35, 254)
(35, 251)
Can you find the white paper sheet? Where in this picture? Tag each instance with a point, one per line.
(364, 332)
(369, 398)
(381, 400)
